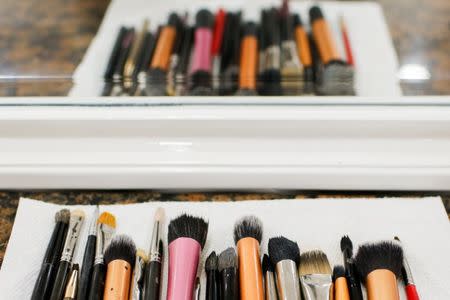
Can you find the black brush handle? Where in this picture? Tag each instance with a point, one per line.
(212, 289)
(97, 287)
(86, 270)
(152, 283)
(354, 284)
(229, 284)
(43, 285)
(62, 276)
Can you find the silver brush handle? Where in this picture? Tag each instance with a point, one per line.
(316, 286)
(271, 291)
(72, 236)
(104, 235)
(288, 284)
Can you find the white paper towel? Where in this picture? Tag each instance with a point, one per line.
(376, 62)
(421, 224)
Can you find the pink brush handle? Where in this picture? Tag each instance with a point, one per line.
(184, 254)
(201, 60)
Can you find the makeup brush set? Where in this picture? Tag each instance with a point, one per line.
(114, 269)
(222, 53)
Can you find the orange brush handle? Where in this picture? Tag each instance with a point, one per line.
(250, 273)
(249, 61)
(341, 289)
(382, 285)
(117, 284)
(303, 48)
(163, 50)
(325, 42)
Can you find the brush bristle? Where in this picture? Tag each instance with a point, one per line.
(121, 247)
(62, 216)
(211, 262)
(75, 267)
(382, 255)
(141, 253)
(190, 227)
(267, 264)
(77, 213)
(338, 271)
(314, 262)
(159, 214)
(248, 226)
(346, 244)
(227, 259)
(107, 219)
(281, 248)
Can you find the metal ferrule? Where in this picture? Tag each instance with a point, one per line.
(154, 245)
(316, 286)
(72, 284)
(104, 236)
(197, 290)
(272, 57)
(407, 272)
(289, 57)
(72, 237)
(137, 280)
(288, 285)
(174, 59)
(269, 283)
(216, 71)
(93, 225)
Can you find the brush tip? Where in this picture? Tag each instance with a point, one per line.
(141, 253)
(204, 18)
(338, 271)
(211, 262)
(159, 214)
(382, 255)
(62, 216)
(248, 226)
(77, 213)
(281, 248)
(227, 259)
(121, 247)
(107, 219)
(267, 265)
(188, 226)
(346, 243)
(314, 262)
(75, 267)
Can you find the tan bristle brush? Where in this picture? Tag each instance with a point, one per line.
(137, 280)
(380, 264)
(106, 227)
(247, 236)
(315, 276)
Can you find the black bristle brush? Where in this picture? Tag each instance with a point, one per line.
(269, 278)
(229, 278)
(187, 236)
(353, 280)
(380, 264)
(285, 257)
(212, 288)
(44, 282)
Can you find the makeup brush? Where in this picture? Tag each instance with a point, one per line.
(156, 76)
(120, 258)
(146, 56)
(106, 227)
(249, 60)
(185, 56)
(304, 53)
(131, 67)
(212, 289)
(230, 54)
(408, 280)
(218, 34)
(112, 62)
(201, 60)
(340, 284)
(125, 48)
(137, 279)
(353, 281)
(186, 237)
(88, 259)
(229, 280)
(380, 264)
(247, 236)
(269, 279)
(152, 280)
(71, 288)
(62, 275)
(198, 289)
(315, 276)
(44, 281)
(175, 60)
(285, 256)
(346, 40)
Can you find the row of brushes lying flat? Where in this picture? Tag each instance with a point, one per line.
(224, 55)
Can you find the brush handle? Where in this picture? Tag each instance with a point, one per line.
(353, 282)
(62, 276)
(43, 285)
(250, 272)
(97, 286)
(86, 271)
(212, 289)
(229, 287)
(152, 282)
(411, 292)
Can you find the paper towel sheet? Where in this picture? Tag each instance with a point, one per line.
(374, 54)
(421, 224)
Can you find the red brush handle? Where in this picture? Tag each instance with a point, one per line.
(219, 27)
(411, 292)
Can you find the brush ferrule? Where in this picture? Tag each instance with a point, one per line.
(289, 57)
(271, 291)
(272, 57)
(154, 244)
(71, 288)
(137, 279)
(287, 280)
(104, 235)
(316, 286)
(407, 274)
(72, 237)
